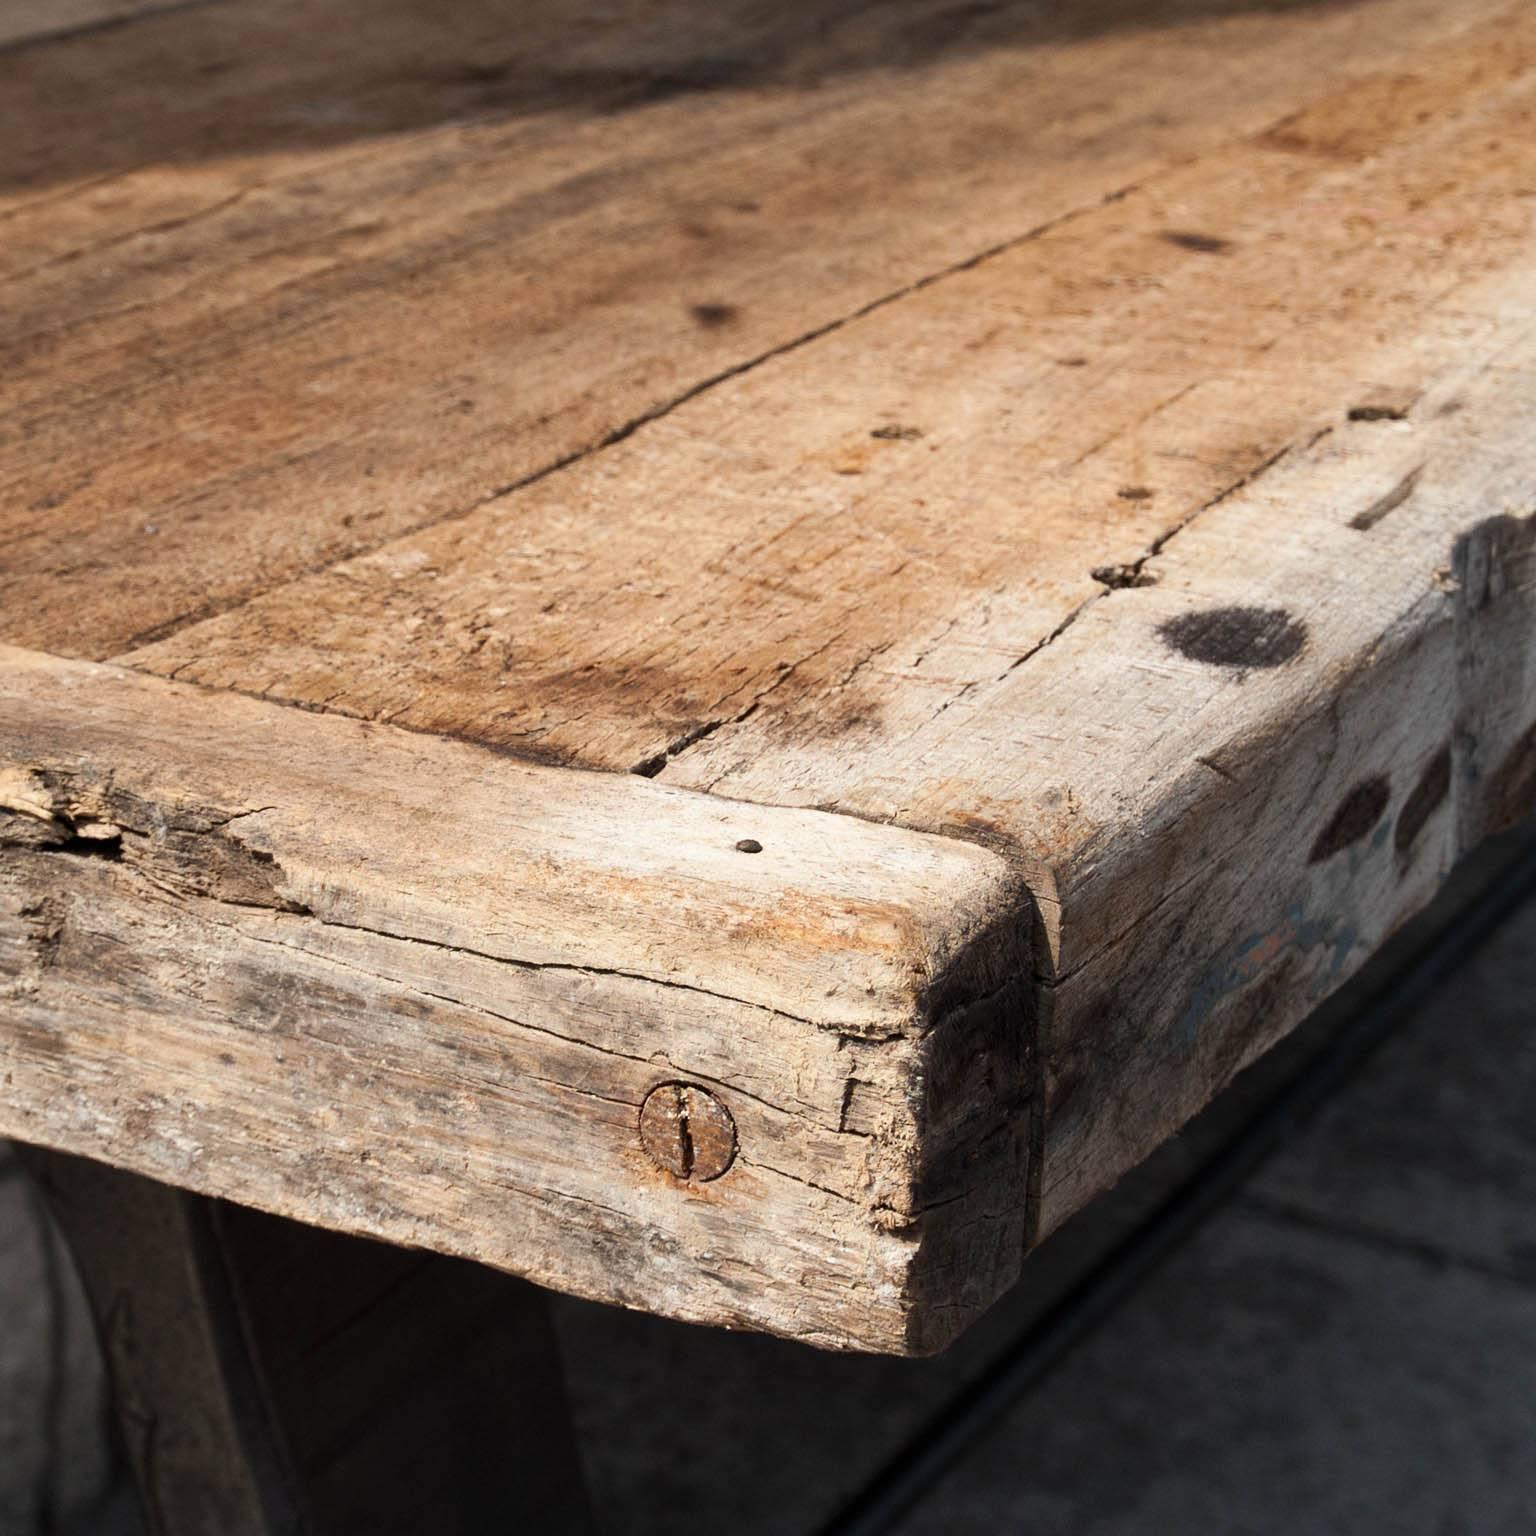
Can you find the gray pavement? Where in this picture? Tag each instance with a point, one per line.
(1276, 1380)
(1350, 1347)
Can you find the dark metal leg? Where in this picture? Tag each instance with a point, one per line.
(272, 1379)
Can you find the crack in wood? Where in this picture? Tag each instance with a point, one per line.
(650, 414)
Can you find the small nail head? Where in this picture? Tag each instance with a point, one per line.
(749, 845)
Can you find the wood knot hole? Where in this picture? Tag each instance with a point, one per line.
(687, 1132)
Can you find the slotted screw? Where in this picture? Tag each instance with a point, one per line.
(687, 1132)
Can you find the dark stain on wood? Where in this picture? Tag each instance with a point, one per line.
(473, 73)
(1240, 638)
(1423, 800)
(1378, 413)
(649, 767)
(937, 32)
(58, 835)
(1249, 1022)
(1135, 493)
(971, 828)
(693, 76)
(183, 848)
(1511, 793)
(713, 316)
(1358, 812)
(896, 433)
(1188, 240)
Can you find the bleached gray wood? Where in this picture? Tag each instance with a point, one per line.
(410, 988)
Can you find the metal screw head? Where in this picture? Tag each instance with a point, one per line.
(687, 1131)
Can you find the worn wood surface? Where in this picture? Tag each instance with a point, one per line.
(1098, 441)
(409, 988)
(371, 282)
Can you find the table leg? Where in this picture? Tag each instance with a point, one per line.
(273, 1379)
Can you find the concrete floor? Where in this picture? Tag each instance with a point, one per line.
(1349, 1347)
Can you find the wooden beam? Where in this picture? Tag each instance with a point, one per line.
(409, 988)
(272, 1379)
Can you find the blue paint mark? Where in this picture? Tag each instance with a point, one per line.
(1245, 961)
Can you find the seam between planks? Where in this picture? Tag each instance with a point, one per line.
(654, 767)
(660, 410)
(667, 406)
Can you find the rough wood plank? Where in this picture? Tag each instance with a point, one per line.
(929, 555)
(1277, 824)
(374, 281)
(782, 597)
(408, 988)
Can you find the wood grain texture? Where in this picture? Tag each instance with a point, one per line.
(1287, 818)
(768, 555)
(376, 279)
(408, 988)
(914, 543)
(1123, 496)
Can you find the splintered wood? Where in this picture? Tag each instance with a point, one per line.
(728, 658)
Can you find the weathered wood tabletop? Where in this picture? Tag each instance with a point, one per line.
(728, 655)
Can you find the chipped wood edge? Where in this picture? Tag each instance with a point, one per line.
(409, 988)
(1297, 814)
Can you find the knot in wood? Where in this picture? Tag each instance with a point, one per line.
(687, 1131)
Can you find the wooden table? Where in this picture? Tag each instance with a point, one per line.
(725, 656)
